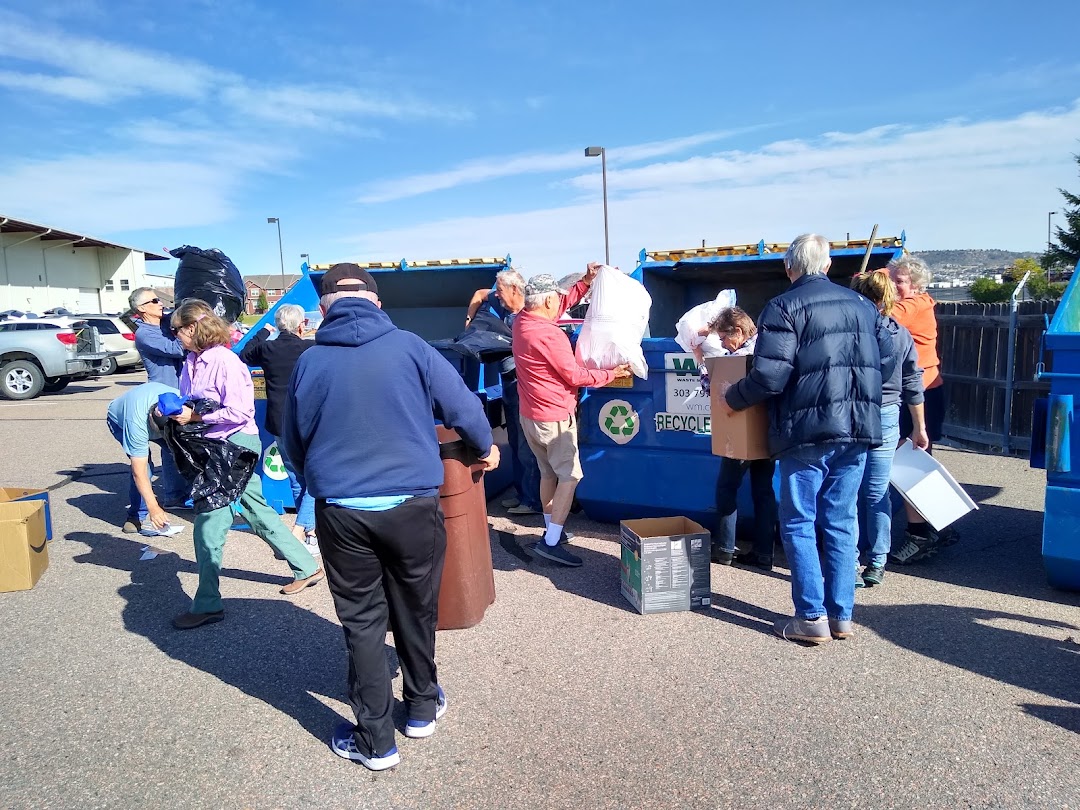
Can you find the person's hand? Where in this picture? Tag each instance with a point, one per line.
(591, 269)
(726, 409)
(491, 460)
(622, 371)
(185, 416)
(158, 517)
(269, 327)
(920, 438)
(704, 331)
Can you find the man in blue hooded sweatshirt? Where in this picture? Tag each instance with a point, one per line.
(359, 429)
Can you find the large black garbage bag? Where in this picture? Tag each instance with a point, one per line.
(217, 469)
(487, 339)
(210, 276)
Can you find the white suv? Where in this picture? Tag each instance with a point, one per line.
(116, 336)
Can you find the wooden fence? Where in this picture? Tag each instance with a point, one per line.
(973, 344)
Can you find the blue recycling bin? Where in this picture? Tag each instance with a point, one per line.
(1052, 446)
(428, 298)
(646, 449)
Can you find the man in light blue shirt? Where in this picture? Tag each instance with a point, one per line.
(130, 422)
(160, 351)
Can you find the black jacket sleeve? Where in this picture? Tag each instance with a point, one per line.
(252, 353)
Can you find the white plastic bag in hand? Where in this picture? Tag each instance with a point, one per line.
(615, 323)
(686, 330)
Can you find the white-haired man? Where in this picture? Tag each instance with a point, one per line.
(822, 353)
(277, 358)
(505, 302)
(549, 377)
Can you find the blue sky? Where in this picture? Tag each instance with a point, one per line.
(449, 128)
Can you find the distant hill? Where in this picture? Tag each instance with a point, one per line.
(970, 260)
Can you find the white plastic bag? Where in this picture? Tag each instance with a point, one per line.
(686, 330)
(615, 323)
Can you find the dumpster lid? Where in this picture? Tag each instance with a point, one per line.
(761, 251)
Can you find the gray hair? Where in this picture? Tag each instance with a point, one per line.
(538, 300)
(289, 317)
(330, 299)
(511, 278)
(914, 267)
(808, 255)
(137, 295)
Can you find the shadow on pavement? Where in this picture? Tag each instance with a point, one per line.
(1068, 717)
(270, 649)
(742, 614)
(990, 643)
(597, 579)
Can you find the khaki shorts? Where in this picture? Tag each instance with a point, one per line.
(555, 446)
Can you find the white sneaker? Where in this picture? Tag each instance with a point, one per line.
(311, 543)
(343, 744)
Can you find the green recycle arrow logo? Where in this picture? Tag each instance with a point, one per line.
(619, 421)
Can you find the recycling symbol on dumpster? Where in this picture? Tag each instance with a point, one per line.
(273, 466)
(619, 421)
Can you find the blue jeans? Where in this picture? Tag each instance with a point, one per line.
(819, 488)
(177, 490)
(305, 504)
(875, 505)
(523, 462)
(765, 512)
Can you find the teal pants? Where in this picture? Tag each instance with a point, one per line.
(211, 529)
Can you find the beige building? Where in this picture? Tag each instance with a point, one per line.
(42, 268)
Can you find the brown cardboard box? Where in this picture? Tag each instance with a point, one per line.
(24, 553)
(745, 434)
(21, 494)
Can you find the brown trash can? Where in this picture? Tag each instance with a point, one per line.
(468, 581)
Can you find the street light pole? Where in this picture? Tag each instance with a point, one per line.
(1049, 239)
(281, 253)
(593, 151)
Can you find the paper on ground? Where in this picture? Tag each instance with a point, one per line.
(168, 530)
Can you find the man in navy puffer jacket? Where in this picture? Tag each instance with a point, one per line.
(822, 353)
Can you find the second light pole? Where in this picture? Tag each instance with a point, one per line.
(599, 151)
(281, 253)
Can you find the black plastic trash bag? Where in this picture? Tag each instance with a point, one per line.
(210, 276)
(217, 469)
(487, 339)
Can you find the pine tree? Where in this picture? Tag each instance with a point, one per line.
(1066, 252)
(263, 304)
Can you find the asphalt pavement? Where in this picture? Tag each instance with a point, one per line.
(961, 687)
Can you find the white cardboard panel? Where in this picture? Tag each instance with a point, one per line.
(929, 487)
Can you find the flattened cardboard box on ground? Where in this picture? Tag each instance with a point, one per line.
(24, 552)
(745, 434)
(665, 564)
(928, 487)
(23, 494)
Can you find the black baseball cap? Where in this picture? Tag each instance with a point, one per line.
(348, 277)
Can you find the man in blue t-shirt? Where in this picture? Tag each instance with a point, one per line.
(130, 422)
(506, 301)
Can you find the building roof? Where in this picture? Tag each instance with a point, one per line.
(272, 281)
(48, 234)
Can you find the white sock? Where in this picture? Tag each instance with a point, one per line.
(547, 519)
(553, 534)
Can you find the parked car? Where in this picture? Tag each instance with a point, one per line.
(46, 354)
(116, 336)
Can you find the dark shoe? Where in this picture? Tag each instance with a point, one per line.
(914, 548)
(752, 559)
(873, 575)
(189, 621)
(298, 585)
(132, 527)
(811, 631)
(721, 557)
(556, 554)
(948, 537)
(841, 629)
(859, 583)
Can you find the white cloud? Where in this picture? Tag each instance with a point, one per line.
(973, 184)
(70, 87)
(494, 168)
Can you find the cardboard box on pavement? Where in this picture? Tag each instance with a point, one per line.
(21, 494)
(665, 564)
(745, 434)
(24, 552)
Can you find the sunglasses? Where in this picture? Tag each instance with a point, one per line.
(150, 301)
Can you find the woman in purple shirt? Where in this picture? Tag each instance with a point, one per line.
(212, 371)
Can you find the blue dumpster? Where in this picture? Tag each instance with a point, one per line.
(1051, 441)
(429, 298)
(646, 449)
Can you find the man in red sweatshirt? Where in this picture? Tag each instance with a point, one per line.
(548, 379)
